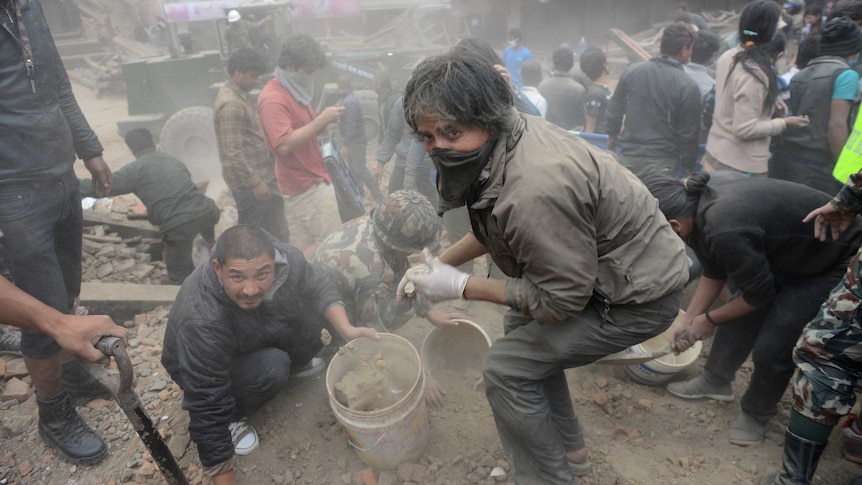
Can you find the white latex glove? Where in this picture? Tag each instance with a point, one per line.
(436, 280)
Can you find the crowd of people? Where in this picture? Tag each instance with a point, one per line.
(779, 255)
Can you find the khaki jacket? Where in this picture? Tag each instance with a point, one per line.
(562, 217)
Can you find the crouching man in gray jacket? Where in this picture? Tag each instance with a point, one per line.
(236, 330)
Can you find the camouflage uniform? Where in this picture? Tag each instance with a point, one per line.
(829, 351)
(367, 274)
(238, 35)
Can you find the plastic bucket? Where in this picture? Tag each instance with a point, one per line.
(661, 370)
(455, 347)
(385, 437)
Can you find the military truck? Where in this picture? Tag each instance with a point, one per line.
(173, 95)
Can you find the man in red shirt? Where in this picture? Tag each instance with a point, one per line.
(291, 127)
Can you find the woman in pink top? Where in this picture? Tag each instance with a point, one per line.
(746, 98)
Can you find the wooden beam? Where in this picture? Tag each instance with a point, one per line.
(119, 224)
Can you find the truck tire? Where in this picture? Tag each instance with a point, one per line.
(372, 127)
(190, 136)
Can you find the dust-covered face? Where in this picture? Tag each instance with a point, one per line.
(437, 132)
(246, 281)
(459, 153)
(247, 80)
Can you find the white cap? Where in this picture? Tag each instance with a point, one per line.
(233, 16)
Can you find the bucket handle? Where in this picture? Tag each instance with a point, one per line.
(359, 448)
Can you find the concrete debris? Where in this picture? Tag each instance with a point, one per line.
(16, 389)
(15, 368)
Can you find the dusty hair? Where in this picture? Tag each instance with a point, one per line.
(246, 60)
(675, 38)
(138, 140)
(243, 242)
(301, 51)
(461, 87)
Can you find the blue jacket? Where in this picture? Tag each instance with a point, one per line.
(40, 132)
(351, 127)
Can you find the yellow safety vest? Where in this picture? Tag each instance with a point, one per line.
(850, 160)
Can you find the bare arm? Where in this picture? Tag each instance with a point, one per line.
(838, 129)
(467, 249)
(77, 334)
(337, 317)
(591, 124)
(707, 291)
(300, 136)
(226, 478)
(483, 289)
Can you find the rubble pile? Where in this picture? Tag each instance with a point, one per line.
(107, 40)
(107, 257)
(620, 54)
(160, 396)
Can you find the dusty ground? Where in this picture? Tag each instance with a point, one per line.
(636, 434)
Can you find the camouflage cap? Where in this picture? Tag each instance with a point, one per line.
(406, 221)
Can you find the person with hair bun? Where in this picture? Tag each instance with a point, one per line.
(750, 231)
(746, 98)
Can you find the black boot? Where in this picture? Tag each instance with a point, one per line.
(81, 386)
(800, 460)
(61, 427)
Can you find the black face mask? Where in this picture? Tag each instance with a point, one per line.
(456, 171)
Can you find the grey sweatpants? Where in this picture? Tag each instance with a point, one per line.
(527, 388)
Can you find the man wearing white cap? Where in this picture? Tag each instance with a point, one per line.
(239, 31)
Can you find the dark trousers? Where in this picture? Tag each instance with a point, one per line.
(358, 164)
(527, 388)
(41, 222)
(258, 377)
(769, 335)
(266, 214)
(178, 244)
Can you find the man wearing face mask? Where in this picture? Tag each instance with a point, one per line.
(592, 268)
(514, 55)
(291, 127)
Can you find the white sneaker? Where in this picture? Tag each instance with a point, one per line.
(244, 437)
(314, 367)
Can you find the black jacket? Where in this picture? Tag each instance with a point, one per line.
(206, 331)
(164, 186)
(662, 108)
(39, 133)
(811, 94)
(751, 230)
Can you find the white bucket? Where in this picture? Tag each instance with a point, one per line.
(455, 347)
(659, 371)
(396, 434)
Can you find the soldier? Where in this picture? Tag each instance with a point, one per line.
(240, 32)
(827, 355)
(368, 258)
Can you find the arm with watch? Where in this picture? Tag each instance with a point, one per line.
(699, 321)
